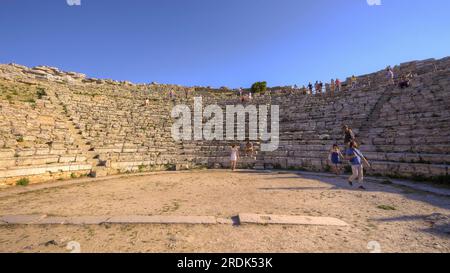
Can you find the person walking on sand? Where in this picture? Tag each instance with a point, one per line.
(234, 157)
(356, 159)
(335, 158)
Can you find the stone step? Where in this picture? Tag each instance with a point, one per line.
(43, 169)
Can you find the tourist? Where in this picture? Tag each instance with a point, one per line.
(250, 96)
(249, 149)
(353, 82)
(390, 75)
(245, 98)
(310, 88)
(321, 87)
(147, 102)
(356, 158)
(234, 157)
(349, 136)
(338, 85)
(332, 87)
(335, 158)
(171, 95)
(303, 90)
(404, 83)
(316, 86)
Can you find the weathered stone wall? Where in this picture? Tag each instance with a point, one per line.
(83, 125)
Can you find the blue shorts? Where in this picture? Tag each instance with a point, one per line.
(335, 162)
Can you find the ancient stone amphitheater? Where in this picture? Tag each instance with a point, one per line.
(60, 125)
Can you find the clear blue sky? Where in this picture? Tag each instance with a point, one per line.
(222, 42)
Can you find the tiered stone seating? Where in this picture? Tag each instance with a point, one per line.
(107, 126)
(410, 133)
(35, 141)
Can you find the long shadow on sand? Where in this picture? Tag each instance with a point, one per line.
(436, 227)
(340, 183)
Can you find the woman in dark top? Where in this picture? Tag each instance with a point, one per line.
(349, 136)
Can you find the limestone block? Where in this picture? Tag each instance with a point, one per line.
(7, 163)
(245, 218)
(6, 153)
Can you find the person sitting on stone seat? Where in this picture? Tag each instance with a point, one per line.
(405, 82)
(249, 149)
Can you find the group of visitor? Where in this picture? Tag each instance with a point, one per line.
(318, 88)
(245, 97)
(352, 154)
(235, 155)
(403, 82)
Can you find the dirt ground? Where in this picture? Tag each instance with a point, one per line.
(394, 217)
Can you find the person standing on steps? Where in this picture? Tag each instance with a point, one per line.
(390, 75)
(332, 87)
(310, 88)
(357, 159)
(349, 136)
(353, 82)
(234, 157)
(338, 85)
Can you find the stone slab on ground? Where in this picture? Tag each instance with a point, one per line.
(22, 219)
(247, 218)
(162, 220)
(225, 221)
(97, 220)
(75, 220)
(87, 220)
(52, 220)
